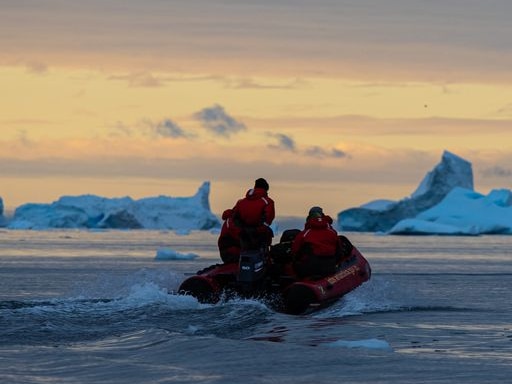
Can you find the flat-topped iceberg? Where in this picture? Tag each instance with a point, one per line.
(90, 211)
(382, 215)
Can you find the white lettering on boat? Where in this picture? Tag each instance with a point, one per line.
(342, 274)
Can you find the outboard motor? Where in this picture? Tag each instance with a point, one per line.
(251, 268)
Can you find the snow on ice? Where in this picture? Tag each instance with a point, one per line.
(90, 211)
(444, 203)
(171, 254)
(463, 212)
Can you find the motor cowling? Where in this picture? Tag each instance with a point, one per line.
(251, 266)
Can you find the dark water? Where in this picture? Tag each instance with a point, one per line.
(94, 307)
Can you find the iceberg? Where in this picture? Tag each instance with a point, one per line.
(366, 343)
(444, 203)
(463, 212)
(90, 211)
(171, 254)
(382, 215)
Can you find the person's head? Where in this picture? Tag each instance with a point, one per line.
(315, 212)
(261, 183)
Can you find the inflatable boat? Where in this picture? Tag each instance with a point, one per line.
(270, 276)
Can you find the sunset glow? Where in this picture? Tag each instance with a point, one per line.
(148, 98)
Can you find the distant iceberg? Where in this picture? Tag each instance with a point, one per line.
(444, 203)
(90, 211)
(379, 205)
(463, 212)
(382, 215)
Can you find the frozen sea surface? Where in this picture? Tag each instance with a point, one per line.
(95, 307)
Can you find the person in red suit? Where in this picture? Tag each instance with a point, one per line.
(256, 208)
(247, 225)
(317, 248)
(229, 239)
(254, 215)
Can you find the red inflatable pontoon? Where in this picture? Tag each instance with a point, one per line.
(276, 281)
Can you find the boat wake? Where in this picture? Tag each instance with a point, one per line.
(382, 295)
(144, 306)
(141, 303)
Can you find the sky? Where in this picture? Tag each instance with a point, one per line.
(334, 102)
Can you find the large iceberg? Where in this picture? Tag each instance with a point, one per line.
(382, 215)
(463, 212)
(90, 211)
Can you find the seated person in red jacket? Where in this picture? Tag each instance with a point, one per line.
(254, 214)
(229, 239)
(317, 248)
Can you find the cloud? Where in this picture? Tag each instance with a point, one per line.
(424, 39)
(121, 129)
(217, 121)
(283, 142)
(365, 125)
(248, 83)
(167, 128)
(317, 151)
(140, 79)
(37, 67)
(148, 79)
(497, 171)
(287, 143)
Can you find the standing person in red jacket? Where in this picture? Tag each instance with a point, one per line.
(317, 248)
(254, 214)
(247, 225)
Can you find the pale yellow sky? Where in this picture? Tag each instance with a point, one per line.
(346, 105)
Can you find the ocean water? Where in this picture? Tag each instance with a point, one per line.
(97, 307)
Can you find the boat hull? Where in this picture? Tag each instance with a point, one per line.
(312, 293)
(288, 293)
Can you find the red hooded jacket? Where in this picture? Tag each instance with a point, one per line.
(256, 209)
(317, 239)
(229, 238)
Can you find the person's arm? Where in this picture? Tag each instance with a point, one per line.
(339, 248)
(270, 212)
(236, 213)
(227, 214)
(297, 246)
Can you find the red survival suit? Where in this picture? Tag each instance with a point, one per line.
(256, 209)
(229, 239)
(247, 225)
(317, 248)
